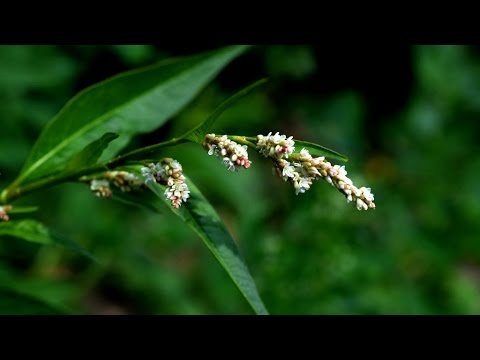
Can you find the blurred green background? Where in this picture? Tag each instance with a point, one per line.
(407, 118)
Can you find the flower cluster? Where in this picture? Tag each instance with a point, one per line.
(3, 212)
(168, 172)
(232, 154)
(303, 169)
(124, 180)
(275, 146)
(101, 188)
(153, 173)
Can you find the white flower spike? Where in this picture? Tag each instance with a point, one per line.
(233, 155)
(304, 169)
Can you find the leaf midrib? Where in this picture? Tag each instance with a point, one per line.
(259, 308)
(86, 128)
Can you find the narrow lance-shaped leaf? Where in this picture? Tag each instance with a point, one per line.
(14, 209)
(15, 302)
(314, 149)
(34, 231)
(134, 102)
(30, 230)
(198, 133)
(199, 215)
(319, 150)
(91, 153)
(139, 199)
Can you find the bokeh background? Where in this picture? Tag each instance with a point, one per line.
(406, 116)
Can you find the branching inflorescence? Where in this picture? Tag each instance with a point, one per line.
(299, 168)
(167, 172)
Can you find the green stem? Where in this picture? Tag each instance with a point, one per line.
(138, 154)
(14, 192)
(244, 140)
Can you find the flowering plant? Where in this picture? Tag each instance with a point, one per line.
(80, 145)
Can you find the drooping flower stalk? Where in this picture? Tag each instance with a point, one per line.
(303, 169)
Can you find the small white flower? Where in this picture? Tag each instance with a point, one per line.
(4, 212)
(304, 153)
(101, 188)
(158, 169)
(174, 164)
(228, 164)
(147, 173)
(361, 205)
(288, 171)
(301, 185)
(278, 146)
(357, 192)
(211, 151)
(342, 172)
(366, 192)
(98, 184)
(177, 193)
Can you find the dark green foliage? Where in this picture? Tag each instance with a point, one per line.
(418, 252)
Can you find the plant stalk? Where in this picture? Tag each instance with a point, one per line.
(13, 192)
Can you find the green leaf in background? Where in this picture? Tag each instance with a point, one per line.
(319, 150)
(29, 230)
(198, 134)
(14, 302)
(91, 153)
(199, 215)
(34, 231)
(204, 220)
(22, 209)
(139, 199)
(134, 102)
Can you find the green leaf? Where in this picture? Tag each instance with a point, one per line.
(22, 209)
(204, 220)
(139, 199)
(15, 302)
(198, 133)
(29, 230)
(319, 150)
(134, 102)
(91, 153)
(199, 215)
(34, 231)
